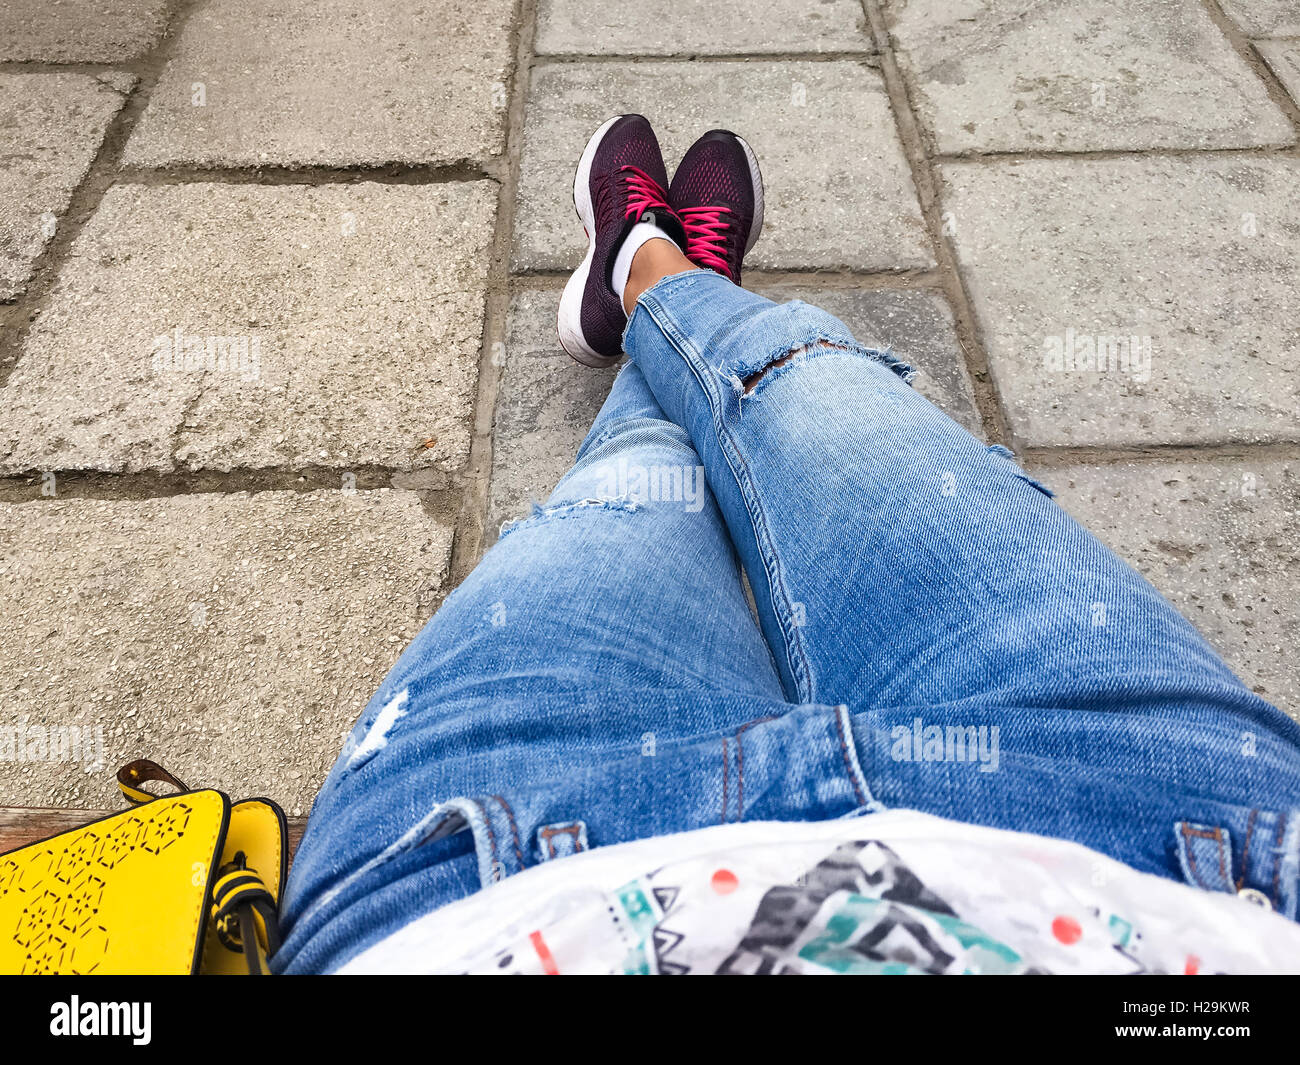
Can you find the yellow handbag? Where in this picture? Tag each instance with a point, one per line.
(181, 883)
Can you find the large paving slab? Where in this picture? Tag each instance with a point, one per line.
(1220, 539)
(1283, 58)
(334, 326)
(1079, 75)
(697, 27)
(1178, 274)
(1265, 18)
(839, 192)
(79, 31)
(234, 638)
(547, 402)
(331, 83)
(54, 125)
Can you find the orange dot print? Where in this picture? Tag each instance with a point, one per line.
(724, 882)
(1067, 930)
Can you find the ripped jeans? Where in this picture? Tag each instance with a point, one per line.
(933, 632)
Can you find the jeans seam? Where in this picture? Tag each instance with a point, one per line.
(725, 768)
(1245, 850)
(514, 829)
(861, 789)
(492, 840)
(740, 763)
(1277, 855)
(795, 656)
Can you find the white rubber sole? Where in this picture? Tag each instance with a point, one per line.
(569, 317)
(757, 179)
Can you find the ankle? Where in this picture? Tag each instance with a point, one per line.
(654, 260)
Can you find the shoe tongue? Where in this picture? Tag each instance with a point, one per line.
(669, 223)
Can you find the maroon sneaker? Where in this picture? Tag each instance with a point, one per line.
(718, 194)
(620, 181)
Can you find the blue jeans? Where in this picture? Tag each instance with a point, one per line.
(933, 632)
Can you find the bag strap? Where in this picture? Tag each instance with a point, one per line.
(132, 775)
(244, 915)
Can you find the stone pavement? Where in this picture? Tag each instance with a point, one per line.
(278, 287)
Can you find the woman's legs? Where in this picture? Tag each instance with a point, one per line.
(600, 671)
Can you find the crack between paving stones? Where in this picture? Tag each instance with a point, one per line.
(458, 172)
(1285, 151)
(925, 179)
(605, 58)
(429, 484)
(1257, 64)
(468, 543)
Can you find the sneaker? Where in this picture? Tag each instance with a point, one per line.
(717, 192)
(620, 181)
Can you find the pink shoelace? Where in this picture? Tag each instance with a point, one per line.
(641, 191)
(706, 237)
(644, 193)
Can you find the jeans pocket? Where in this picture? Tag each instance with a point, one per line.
(797, 766)
(1252, 852)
